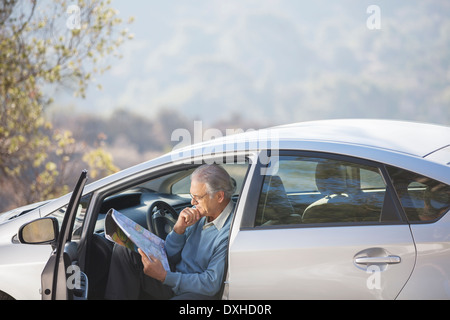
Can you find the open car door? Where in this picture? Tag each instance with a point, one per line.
(61, 278)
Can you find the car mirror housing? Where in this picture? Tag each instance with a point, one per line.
(40, 231)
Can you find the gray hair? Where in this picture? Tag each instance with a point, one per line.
(216, 178)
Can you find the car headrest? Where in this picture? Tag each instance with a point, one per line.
(330, 178)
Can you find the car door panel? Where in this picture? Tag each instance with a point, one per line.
(360, 249)
(63, 263)
(319, 263)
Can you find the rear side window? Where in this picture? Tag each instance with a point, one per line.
(423, 199)
(315, 190)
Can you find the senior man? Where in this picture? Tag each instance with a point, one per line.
(197, 247)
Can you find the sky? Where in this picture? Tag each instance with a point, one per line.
(271, 61)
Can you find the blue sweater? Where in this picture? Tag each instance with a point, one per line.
(199, 255)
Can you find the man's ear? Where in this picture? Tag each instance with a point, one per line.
(220, 196)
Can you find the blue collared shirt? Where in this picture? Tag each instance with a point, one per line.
(202, 249)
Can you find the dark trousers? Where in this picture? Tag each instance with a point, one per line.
(127, 281)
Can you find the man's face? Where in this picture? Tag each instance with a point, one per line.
(205, 204)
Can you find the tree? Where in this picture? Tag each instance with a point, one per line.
(43, 44)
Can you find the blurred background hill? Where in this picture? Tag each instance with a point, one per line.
(132, 138)
(280, 61)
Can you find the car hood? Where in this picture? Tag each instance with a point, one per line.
(17, 212)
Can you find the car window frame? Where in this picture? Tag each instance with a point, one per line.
(257, 182)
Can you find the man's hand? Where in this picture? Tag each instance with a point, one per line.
(186, 218)
(153, 267)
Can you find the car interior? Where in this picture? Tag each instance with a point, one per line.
(153, 204)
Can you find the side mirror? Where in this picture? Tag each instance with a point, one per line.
(40, 231)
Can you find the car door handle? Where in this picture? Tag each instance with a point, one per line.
(378, 260)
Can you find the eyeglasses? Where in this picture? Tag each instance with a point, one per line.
(198, 198)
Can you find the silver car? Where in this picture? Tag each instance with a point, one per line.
(336, 209)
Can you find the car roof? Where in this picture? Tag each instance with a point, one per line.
(412, 146)
(414, 138)
(388, 141)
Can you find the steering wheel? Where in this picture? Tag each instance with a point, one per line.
(161, 217)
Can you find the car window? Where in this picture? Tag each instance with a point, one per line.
(423, 199)
(314, 190)
(79, 219)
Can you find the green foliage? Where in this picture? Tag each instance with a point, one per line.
(37, 50)
(100, 163)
